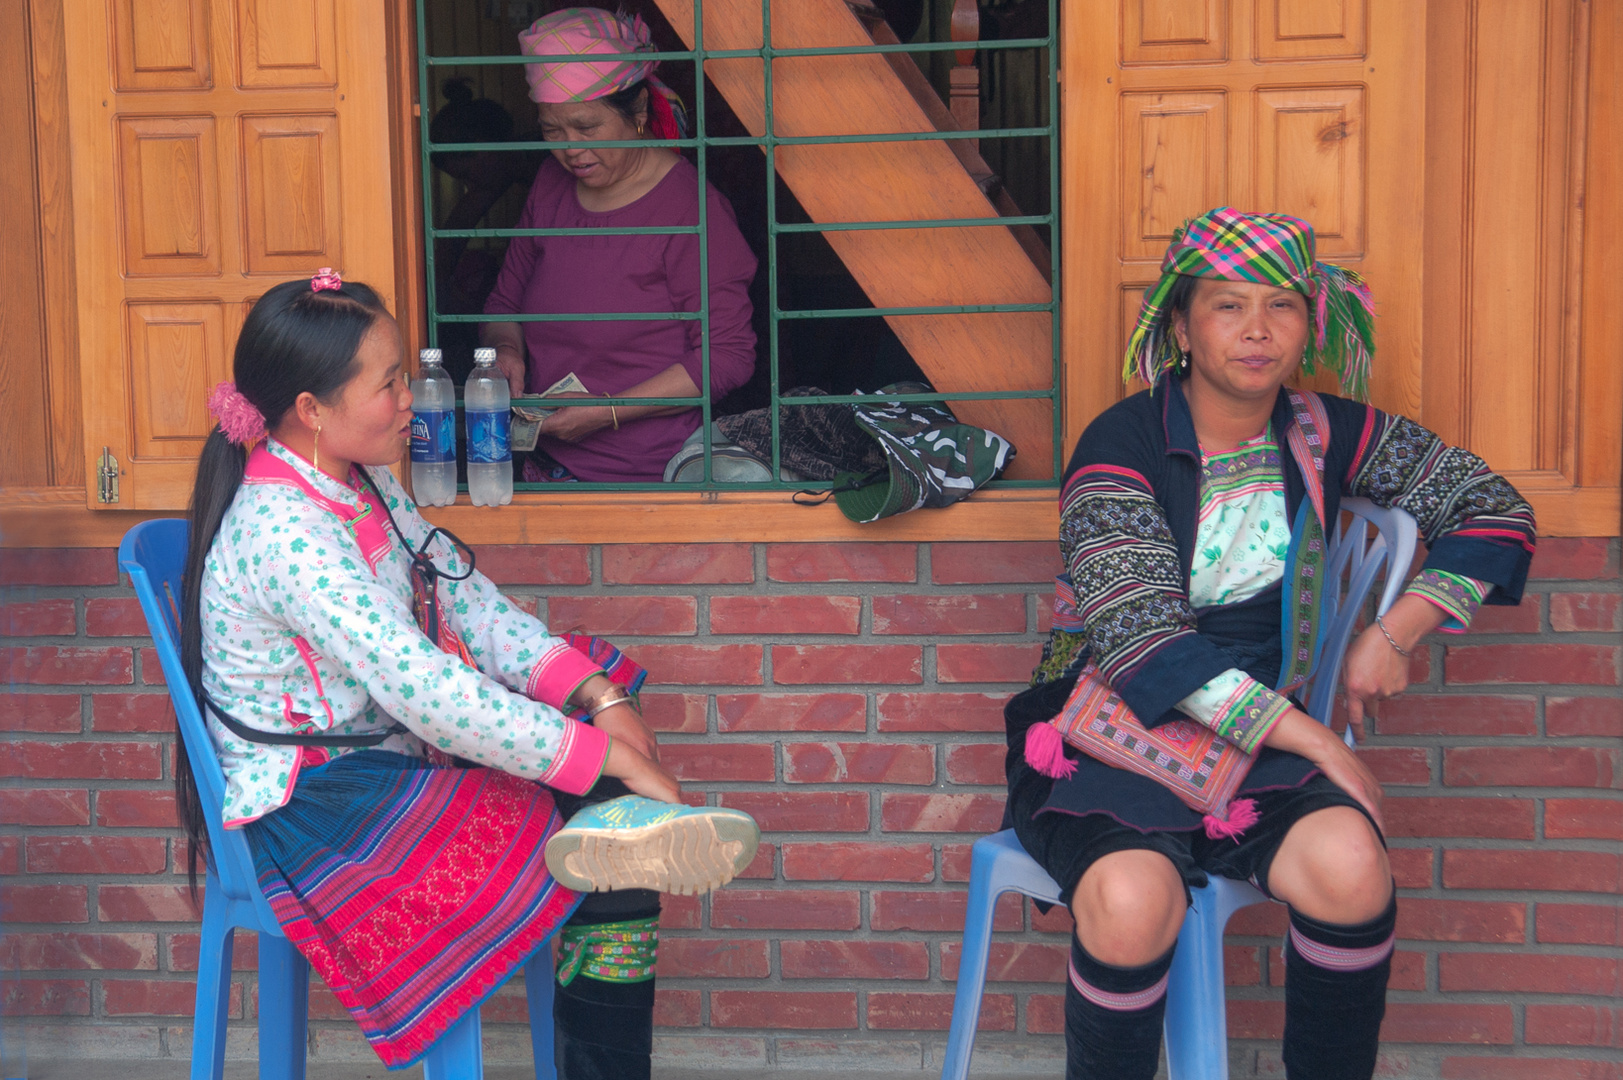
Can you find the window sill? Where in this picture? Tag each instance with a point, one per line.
(746, 516)
(58, 517)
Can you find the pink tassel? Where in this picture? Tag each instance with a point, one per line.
(240, 421)
(1242, 814)
(1045, 752)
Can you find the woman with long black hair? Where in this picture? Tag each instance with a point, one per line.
(401, 742)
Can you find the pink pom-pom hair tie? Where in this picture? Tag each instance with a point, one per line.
(325, 279)
(240, 420)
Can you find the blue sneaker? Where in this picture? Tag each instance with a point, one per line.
(637, 843)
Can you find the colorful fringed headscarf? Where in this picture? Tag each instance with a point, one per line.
(1272, 249)
(595, 32)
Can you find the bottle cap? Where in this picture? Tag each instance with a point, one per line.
(484, 356)
(429, 356)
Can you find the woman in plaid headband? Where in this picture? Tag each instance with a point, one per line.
(593, 85)
(1192, 527)
(1264, 249)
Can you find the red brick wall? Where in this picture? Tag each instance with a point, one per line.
(849, 696)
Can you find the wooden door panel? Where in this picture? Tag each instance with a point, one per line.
(161, 45)
(1443, 150)
(176, 355)
(221, 189)
(1506, 404)
(287, 43)
(1313, 109)
(1174, 31)
(1310, 29)
(171, 205)
(1310, 162)
(1173, 165)
(290, 192)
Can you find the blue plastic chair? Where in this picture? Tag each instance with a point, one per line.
(154, 555)
(1196, 1018)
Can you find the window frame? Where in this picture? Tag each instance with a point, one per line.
(1006, 509)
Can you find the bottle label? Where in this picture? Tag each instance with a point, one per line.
(433, 436)
(488, 437)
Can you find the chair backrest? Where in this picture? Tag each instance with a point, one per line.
(1355, 559)
(153, 553)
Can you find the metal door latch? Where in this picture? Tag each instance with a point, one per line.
(107, 477)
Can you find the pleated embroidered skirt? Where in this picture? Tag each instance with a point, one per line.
(413, 889)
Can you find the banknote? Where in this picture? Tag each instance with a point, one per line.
(526, 427)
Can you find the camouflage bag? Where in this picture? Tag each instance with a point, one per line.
(930, 458)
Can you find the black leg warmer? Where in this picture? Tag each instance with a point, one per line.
(604, 1030)
(1113, 1017)
(1335, 995)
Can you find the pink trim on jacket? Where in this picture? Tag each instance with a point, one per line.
(582, 753)
(558, 674)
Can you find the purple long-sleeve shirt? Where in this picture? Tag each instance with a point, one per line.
(588, 274)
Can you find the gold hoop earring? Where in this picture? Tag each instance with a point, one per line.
(316, 453)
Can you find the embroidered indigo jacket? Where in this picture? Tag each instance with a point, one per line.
(1129, 511)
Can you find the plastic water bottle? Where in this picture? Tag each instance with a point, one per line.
(488, 408)
(433, 433)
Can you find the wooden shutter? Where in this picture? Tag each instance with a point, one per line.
(1525, 364)
(1461, 154)
(219, 147)
(1299, 106)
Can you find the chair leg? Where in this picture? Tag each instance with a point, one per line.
(966, 1001)
(459, 1055)
(538, 988)
(1197, 1012)
(1196, 1023)
(213, 986)
(284, 1009)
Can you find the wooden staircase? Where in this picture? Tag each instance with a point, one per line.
(898, 181)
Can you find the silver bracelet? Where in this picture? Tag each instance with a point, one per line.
(1390, 640)
(608, 700)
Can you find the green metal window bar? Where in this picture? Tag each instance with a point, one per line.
(768, 142)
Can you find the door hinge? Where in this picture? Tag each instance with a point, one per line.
(107, 477)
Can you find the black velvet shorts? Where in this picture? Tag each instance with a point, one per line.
(1065, 845)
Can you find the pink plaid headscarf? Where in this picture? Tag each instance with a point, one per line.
(595, 32)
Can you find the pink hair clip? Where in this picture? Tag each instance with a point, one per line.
(325, 279)
(240, 420)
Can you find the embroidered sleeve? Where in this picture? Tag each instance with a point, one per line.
(1124, 566)
(1458, 596)
(1135, 616)
(508, 643)
(313, 579)
(1237, 707)
(1474, 523)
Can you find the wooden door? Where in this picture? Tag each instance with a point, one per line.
(1306, 107)
(220, 146)
(1526, 365)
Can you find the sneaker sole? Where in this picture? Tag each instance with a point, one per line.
(686, 856)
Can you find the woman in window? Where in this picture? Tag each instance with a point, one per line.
(1193, 523)
(616, 98)
(401, 742)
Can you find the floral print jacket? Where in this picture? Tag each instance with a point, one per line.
(308, 629)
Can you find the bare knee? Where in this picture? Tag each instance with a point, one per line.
(1129, 907)
(1333, 867)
